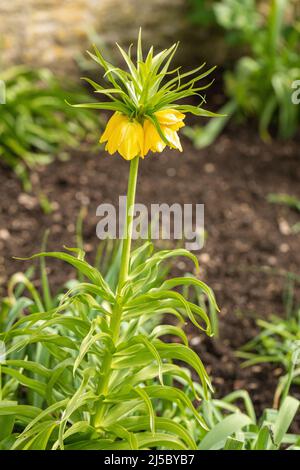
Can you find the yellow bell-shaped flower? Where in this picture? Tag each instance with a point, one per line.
(170, 118)
(170, 121)
(130, 139)
(124, 136)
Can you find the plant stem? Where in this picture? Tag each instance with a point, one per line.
(115, 320)
(125, 259)
(131, 190)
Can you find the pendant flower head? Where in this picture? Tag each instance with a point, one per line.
(124, 135)
(145, 100)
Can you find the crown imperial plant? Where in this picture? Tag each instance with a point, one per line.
(96, 371)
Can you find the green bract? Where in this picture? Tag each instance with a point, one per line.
(148, 85)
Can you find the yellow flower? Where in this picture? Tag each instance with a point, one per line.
(129, 138)
(170, 118)
(125, 136)
(170, 121)
(152, 139)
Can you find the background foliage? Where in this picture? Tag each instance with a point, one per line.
(259, 86)
(36, 124)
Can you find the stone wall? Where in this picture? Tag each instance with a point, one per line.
(53, 32)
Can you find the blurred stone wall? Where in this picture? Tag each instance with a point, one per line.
(54, 32)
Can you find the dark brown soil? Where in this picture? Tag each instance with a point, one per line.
(249, 240)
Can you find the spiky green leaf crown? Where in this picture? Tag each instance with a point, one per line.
(144, 89)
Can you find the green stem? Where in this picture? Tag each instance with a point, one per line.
(125, 259)
(134, 166)
(116, 316)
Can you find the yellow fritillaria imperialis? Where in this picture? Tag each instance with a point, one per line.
(170, 121)
(146, 101)
(124, 135)
(130, 138)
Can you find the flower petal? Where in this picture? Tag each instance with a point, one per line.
(130, 145)
(152, 139)
(177, 126)
(116, 137)
(169, 117)
(172, 137)
(116, 119)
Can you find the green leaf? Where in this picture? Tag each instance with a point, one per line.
(82, 266)
(6, 426)
(263, 438)
(233, 444)
(284, 419)
(22, 412)
(216, 437)
(143, 394)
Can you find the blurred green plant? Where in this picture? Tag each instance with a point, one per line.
(36, 125)
(260, 86)
(233, 429)
(278, 342)
(239, 18)
(285, 200)
(201, 12)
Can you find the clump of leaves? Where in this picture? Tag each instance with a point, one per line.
(234, 429)
(36, 124)
(278, 342)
